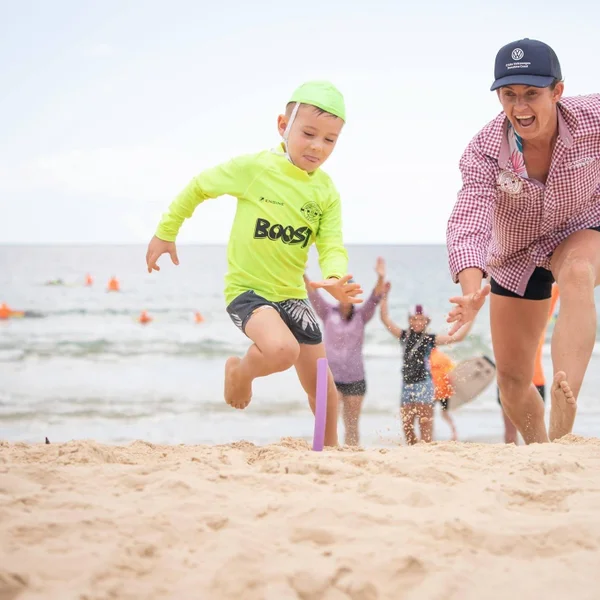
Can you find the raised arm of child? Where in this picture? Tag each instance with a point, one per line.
(444, 339)
(368, 310)
(385, 316)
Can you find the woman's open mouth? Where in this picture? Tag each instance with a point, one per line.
(525, 121)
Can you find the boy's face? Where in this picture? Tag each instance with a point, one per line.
(312, 137)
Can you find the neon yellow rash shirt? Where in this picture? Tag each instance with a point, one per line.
(281, 211)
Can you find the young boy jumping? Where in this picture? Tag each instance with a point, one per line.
(285, 204)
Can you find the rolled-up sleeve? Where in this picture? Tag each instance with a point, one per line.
(469, 228)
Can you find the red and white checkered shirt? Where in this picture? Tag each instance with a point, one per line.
(507, 225)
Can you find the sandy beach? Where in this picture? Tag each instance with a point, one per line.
(87, 521)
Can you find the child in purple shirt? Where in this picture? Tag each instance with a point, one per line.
(344, 333)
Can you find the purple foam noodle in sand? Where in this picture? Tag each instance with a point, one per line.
(321, 405)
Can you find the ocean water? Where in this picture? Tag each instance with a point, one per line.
(85, 368)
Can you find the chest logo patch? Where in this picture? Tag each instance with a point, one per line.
(510, 183)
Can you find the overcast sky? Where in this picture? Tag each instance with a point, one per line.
(107, 109)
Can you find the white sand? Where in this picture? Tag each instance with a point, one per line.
(446, 521)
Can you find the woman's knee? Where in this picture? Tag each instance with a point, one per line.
(513, 380)
(576, 274)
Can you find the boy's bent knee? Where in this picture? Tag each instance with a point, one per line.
(282, 355)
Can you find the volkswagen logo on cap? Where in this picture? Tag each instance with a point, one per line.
(517, 54)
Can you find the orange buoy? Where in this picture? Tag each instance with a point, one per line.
(144, 318)
(89, 280)
(198, 317)
(113, 285)
(5, 311)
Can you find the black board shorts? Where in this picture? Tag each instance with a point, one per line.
(539, 286)
(296, 313)
(355, 388)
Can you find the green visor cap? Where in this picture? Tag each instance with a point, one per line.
(323, 95)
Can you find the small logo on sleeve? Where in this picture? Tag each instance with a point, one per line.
(311, 211)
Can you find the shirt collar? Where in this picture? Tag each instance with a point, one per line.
(288, 167)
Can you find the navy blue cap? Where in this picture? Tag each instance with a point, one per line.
(526, 62)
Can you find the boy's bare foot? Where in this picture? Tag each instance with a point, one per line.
(564, 407)
(237, 393)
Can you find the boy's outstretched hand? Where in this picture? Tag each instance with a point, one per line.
(156, 248)
(340, 289)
